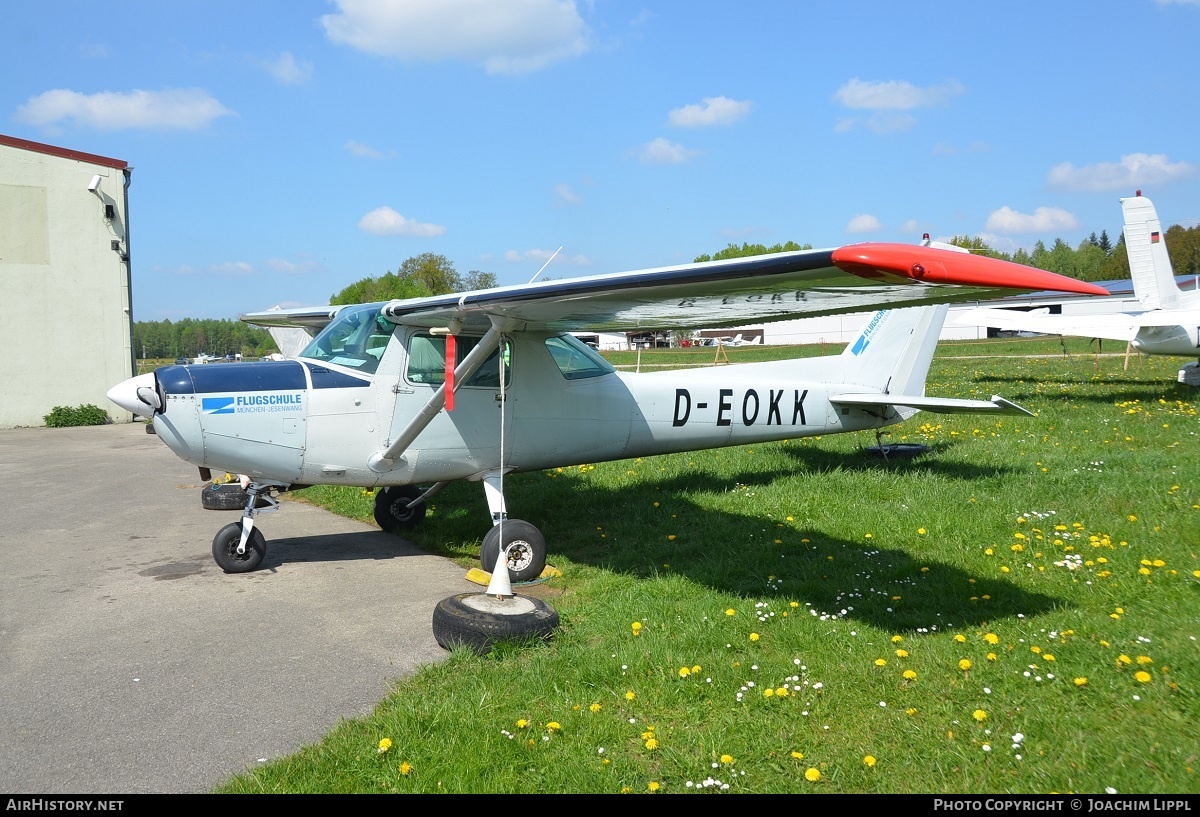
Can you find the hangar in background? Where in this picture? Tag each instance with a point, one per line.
(64, 268)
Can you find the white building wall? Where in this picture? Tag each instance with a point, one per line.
(66, 290)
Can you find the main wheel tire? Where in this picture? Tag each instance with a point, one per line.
(225, 545)
(525, 548)
(391, 513)
(478, 621)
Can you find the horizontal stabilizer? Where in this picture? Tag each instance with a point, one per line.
(937, 405)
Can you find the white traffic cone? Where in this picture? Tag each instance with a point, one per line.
(500, 585)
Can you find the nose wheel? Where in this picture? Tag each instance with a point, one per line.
(226, 545)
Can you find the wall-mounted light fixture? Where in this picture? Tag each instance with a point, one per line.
(94, 184)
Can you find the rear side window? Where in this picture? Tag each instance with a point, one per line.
(575, 359)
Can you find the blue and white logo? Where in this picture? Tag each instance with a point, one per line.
(864, 340)
(217, 405)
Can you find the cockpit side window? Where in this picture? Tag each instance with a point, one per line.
(427, 361)
(356, 338)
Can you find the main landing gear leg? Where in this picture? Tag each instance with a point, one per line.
(239, 547)
(523, 544)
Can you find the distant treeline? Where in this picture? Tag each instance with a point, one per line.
(191, 337)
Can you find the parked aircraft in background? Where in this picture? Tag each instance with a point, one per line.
(1168, 322)
(406, 396)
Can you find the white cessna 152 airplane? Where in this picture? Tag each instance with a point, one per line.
(481, 384)
(1167, 324)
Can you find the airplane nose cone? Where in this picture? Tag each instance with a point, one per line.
(136, 395)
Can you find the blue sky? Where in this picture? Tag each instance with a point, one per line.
(283, 149)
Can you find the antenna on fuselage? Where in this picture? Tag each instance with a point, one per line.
(548, 260)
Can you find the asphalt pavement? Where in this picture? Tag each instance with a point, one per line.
(131, 664)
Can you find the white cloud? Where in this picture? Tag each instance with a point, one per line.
(1134, 170)
(894, 94)
(366, 151)
(1043, 220)
(567, 195)
(890, 122)
(663, 152)
(386, 221)
(510, 37)
(864, 223)
(288, 71)
(715, 110)
(237, 269)
(184, 108)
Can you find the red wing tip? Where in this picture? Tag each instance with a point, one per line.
(937, 266)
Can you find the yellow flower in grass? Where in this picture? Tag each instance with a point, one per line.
(1124, 660)
(881, 662)
(1145, 659)
(653, 786)
(594, 707)
(910, 675)
(726, 759)
(1080, 681)
(902, 653)
(768, 693)
(869, 760)
(684, 672)
(384, 745)
(629, 696)
(652, 744)
(731, 612)
(696, 669)
(979, 715)
(754, 636)
(636, 627)
(812, 775)
(1142, 676)
(896, 639)
(964, 664)
(991, 656)
(522, 723)
(406, 768)
(960, 638)
(553, 726)
(798, 755)
(991, 638)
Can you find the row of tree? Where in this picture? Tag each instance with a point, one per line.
(1095, 259)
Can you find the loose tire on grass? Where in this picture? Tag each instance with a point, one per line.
(229, 496)
(390, 512)
(478, 621)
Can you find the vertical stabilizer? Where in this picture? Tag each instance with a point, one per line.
(893, 351)
(1149, 263)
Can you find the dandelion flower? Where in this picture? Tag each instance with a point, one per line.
(405, 768)
(881, 662)
(653, 785)
(384, 745)
(1080, 681)
(960, 638)
(684, 672)
(731, 612)
(768, 693)
(964, 664)
(979, 715)
(1142, 676)
(726, 759)
(992, 638)
(798, 755)
(811, 774)
(896, 639)
(637, 627)
(554, 726)
(991, 656)
(629, 696)
(910, 675)
(652, 744)
(754, 636)
(522, 723)
(869, 760)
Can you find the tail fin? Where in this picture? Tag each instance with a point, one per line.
(1149, 263)
(894, 349)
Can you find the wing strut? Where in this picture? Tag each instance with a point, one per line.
(383, 461)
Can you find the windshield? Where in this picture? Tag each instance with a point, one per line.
(356, 338)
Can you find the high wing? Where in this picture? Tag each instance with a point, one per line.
(1120, 326)
(758, 289)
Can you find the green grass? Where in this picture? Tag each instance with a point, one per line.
(1057, 554)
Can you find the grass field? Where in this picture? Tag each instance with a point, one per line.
(1017, 611)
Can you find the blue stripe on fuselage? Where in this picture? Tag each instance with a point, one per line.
(270, 375)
